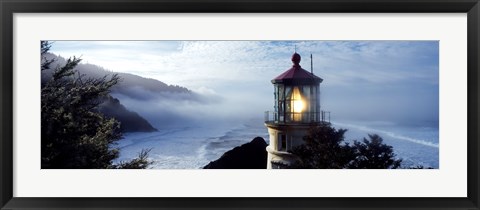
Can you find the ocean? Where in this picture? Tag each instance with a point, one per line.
(193, 147)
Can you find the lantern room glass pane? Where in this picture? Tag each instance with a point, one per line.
(279, 102)
(307, 98)
(288, 104)
(281, 93)
(275, 96)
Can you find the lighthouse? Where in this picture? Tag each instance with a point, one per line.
(296, 109)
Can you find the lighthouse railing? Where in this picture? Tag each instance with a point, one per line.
(295, 117)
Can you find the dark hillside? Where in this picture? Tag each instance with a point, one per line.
(129, 121)
(252, 155)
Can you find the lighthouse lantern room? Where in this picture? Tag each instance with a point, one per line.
(296, 109)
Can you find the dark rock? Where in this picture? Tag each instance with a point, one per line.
(251, 155)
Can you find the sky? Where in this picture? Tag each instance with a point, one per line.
(394, 81)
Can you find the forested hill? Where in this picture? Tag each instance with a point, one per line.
(130, 85)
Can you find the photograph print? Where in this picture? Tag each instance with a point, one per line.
(296, 104)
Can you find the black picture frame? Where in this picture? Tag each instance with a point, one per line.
(10, 7)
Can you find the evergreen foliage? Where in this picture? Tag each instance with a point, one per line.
(325, 148)
(73, 133)
(140, 162)
(373, 154)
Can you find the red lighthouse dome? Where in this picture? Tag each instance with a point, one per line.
(297, 75)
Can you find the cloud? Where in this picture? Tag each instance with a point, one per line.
(189, 61)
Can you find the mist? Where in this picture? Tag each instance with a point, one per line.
(166, 110)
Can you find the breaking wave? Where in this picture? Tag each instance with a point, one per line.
(389, 133)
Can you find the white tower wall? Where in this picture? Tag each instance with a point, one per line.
(280, 134)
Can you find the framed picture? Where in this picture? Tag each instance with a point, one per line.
(189, 77)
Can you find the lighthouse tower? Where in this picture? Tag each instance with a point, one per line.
(297, 108)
